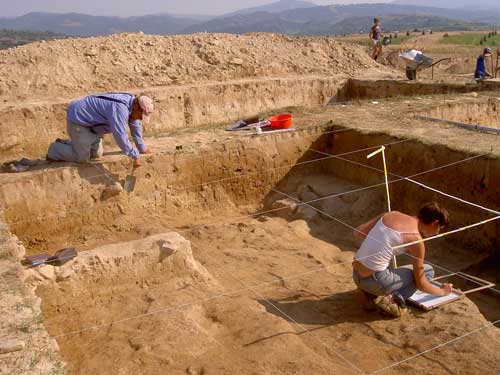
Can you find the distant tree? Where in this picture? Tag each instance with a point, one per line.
(390, 36)
(431, 32)
(407, 33)
(489, 35)
(446, 35)
(396, 36)
(423, 32)
(481, 42)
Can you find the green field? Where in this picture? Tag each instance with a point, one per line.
(471, 39)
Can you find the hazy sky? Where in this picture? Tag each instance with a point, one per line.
(13, 8)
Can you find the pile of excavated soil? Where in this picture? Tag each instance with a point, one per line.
(123, 61)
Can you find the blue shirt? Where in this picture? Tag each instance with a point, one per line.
(480, 67)
(109, 113)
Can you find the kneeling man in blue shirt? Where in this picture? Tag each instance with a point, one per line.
(88, 119)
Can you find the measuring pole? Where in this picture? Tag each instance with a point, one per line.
(493, 73)
(386, 176)
(498, 56)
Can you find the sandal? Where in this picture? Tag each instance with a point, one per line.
(390, 306)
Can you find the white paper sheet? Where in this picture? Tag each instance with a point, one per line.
(430, 301)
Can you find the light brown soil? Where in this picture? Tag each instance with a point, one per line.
(259, 330)
(72, 67)
(484, 113)
(253, 293)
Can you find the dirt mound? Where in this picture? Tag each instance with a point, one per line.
(167, 253)
(123, 61)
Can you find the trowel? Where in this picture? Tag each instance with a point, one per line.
(130, 181)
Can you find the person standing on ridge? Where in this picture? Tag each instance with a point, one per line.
(88, 119)
(376, 39)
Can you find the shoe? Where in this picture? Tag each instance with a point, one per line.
(51, 160)
(64, 141)
(388, 305)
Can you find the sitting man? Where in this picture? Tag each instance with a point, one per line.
(481, 70)
(88, 119)
(371, 267)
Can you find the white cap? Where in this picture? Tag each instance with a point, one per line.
(147, 107)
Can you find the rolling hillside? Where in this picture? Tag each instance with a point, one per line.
(286, 16)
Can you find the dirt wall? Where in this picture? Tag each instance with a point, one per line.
(482, 113)
(380, 89)
(63, 205)
(475, 181)
(25, 345)
(28, 130)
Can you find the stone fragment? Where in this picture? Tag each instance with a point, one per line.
(283, 204)
(64, 273)
(174, 245)
(306, 212)
(33, 277)
(10, 346)
(47, 272)
(166, 250)
(91, 53)
(237, 61)
(111, 191)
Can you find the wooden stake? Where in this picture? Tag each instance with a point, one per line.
(386, 175)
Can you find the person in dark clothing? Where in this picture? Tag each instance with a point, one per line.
(376, 39)
(481, 69)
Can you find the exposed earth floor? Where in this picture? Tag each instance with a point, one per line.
(233, 253)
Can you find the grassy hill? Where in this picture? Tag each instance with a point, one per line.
(471, 39)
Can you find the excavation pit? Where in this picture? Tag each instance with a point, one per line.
(213, 265)
(482, 115)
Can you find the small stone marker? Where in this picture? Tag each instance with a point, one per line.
(11, 346)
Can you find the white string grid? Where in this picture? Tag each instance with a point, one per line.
(110, 176)
(269, 302)
(303, 203)
(136, 317)
(297, 204)
(354, 366)
(442, 345)
(409, 179)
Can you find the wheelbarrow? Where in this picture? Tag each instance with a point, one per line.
(416, 61)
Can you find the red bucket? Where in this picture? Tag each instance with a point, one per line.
(283, 121)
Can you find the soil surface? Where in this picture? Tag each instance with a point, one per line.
(280, 301)
(210, 266)
(134, 61)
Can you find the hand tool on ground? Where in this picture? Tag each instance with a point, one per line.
(130, 181)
